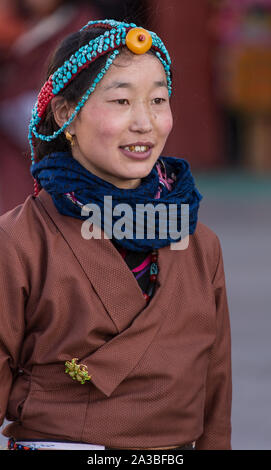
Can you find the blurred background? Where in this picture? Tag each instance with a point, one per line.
(221, 55)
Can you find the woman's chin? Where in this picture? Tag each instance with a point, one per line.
(131, 179)
(139, 168)
(139, 174)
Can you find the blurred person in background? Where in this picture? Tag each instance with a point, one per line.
(11, 25)
(243, 78)
(35, 27)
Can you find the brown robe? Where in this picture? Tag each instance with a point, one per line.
(160, 374)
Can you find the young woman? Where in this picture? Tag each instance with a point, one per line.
(111, 341)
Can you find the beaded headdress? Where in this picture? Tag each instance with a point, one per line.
(117, 35)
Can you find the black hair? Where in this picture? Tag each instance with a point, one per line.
(74, 91)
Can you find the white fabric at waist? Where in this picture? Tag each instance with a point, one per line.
(60, 445)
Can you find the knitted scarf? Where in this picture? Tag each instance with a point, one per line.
(72, 186)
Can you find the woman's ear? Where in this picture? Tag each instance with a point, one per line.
(62, 111)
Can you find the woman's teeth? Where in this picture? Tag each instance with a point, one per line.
(137, 148)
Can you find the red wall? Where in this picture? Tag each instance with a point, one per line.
(183, 27)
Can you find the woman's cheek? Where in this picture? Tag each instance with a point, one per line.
(166, 124)
(111, 126)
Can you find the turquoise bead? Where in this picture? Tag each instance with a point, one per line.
(153, 269)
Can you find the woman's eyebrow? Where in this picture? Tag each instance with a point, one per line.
(116, 84)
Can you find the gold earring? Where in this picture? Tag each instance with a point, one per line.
(70, 138)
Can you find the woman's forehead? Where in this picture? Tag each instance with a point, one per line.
(128, 70)
(127, 58)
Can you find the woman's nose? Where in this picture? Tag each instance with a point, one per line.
(141, 119)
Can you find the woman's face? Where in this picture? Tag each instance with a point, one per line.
(130, 105)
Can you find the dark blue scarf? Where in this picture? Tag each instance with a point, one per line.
(59, 173)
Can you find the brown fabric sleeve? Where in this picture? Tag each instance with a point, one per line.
(13, 294)
(218, 399)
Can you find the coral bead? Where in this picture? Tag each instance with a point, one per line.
(146, 296)
(138, 40)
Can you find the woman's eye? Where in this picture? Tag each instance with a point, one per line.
(121, 101)
(159, 100)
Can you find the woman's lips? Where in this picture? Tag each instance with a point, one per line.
(136, 155)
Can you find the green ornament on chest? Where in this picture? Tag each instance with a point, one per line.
(77, 372)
